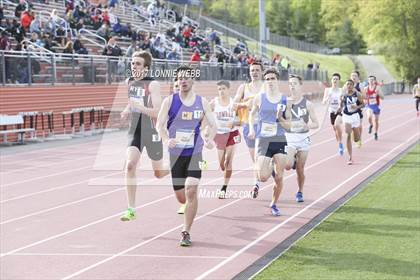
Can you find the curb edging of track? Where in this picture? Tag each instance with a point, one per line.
(262, 263)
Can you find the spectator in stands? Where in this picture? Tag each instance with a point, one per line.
(126, 30)
(8, 26)
(112, 18)
(250, 60)
(218, 41)
(78, 46)
(212, 38)
(21, 7)
(132, 48)
(116, 28)
(112, 3)
(96, 18)
(69, 5)
(1, 15)
(213, 59)
(161, 36)
(70, 18)
(5, 43)
(50, 27)
(114, 51)
(36, 40)
(12, 66)
(104, 31)
(26, 19)
(105, 17)
(54, 16)
(77, 14)
(170, 32)
(276, 60)
(17, 31)
(186, 34)
(145, 44)
(195, 56)
(173, 55)
(35, 26)
(80, 24)
(152, 13)
(48, 43)
(63, 40)
(161, 10)
(221, 58)
(141, 35)
(160, 51)
(68, 48)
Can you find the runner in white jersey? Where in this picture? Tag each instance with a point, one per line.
(227, 134)
(243, 104)
(355, 77)
(416, 95)
(351, 102)
(303, 119)
(332, 96)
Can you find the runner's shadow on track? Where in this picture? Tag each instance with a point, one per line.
(198, 243)
(264, 219)
(379, 211)
(344, 226)
(355, 263)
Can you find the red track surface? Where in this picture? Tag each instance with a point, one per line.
(58, 220)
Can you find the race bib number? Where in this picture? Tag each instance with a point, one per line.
(184, 138)
(237, 139)
(136, 102)
(268, 129)
(372, 100)
(224, 125)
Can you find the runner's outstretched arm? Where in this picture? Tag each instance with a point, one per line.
(163, 119)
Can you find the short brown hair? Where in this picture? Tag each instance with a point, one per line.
(257, 63)
(146, 56)
(297, 77)
(224, 83)
(183, 68)
(272, 71)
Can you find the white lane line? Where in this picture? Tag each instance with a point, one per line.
(151, 203)
(81, 168)
(107, 255)
(266, 234)
(207, 214)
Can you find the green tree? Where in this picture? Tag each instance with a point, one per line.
(346, 38)
(392, 29)
(278, 16)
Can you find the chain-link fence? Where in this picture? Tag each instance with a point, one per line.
(36, 68)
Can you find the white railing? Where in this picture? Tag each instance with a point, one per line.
(58, 21)
(94, 35)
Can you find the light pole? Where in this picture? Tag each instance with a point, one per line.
(263, 37)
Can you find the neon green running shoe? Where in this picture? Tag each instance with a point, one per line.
(129, 215)
(181, 209)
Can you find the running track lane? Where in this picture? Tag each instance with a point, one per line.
(219, 235)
